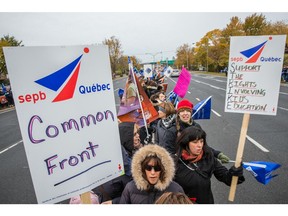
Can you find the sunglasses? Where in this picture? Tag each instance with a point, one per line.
(156, 168)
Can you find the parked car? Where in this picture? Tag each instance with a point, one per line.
(175, 73)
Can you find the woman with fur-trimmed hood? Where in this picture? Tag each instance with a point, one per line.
(153, 171)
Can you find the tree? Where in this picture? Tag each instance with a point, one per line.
(115, 51)
(210, 51)
(234, 28)
(122, 64)
(184, 56)
(255, 24)
(5, 41)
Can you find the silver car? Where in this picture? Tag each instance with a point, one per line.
(175, 73)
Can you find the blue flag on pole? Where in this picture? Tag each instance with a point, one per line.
(173, 98)
(202, 110)
(261, 170)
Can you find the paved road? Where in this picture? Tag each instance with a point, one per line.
(267, 141)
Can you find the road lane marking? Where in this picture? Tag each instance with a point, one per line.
(216, 113)
(212, 86)
(171, 79)
(10, 147)
(257, 144)
(283, 108)
(283, 93)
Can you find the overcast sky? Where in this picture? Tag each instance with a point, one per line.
(139, 33)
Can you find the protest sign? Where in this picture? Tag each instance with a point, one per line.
(183, 83)
(148, 70)
(254, 74)
(59, 94)
(253, 82)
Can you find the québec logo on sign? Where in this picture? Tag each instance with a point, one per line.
(253, 53)
(55, 80)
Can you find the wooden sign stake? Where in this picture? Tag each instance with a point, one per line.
(86, 198)
(239, 154)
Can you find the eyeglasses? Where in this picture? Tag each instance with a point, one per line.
(156, 168)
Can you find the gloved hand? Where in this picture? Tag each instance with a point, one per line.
(236, 171)
(223, 158)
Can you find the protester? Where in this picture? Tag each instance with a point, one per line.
(184, 119)
(151, 87)
(166, 132)
(157, 99)
(196, 164)
(111, 191)
(130, 92)
(171, 125)
(173, 198)
(153, 172)
(129, 137)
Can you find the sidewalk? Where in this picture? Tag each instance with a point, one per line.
(6, 109)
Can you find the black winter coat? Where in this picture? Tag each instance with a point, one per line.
(166, 134)
(196, 179)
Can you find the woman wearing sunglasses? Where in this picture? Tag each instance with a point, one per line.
(153, 171)
(110, 192)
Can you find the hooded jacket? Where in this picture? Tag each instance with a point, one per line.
(139, 191)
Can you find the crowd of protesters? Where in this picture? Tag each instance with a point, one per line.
(174, 166)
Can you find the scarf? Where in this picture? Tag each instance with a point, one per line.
(167, 122)
(191, 158)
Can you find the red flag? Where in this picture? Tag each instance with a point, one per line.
(133, 113)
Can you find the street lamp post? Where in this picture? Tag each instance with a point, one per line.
(187, 56)
(207, 55)
(207, 59)
(187, 60)
(153, 54)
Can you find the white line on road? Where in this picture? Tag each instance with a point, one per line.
(283, 108)
(216, 113)
(283, 93)
(257, 144)
(11, 147)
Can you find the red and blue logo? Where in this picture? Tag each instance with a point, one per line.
(254, 53)
(55, 80)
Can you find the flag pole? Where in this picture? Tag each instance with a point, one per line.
(138, 95)
(85, 198)
(239, 154)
